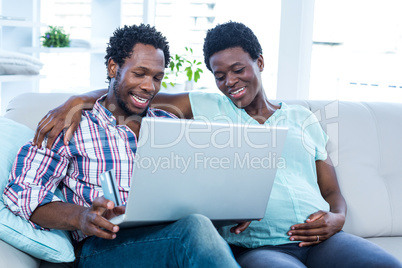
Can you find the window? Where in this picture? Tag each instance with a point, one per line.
(184, 22)
(357, 53)
(67, 71)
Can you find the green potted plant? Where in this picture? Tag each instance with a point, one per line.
(183, 67)
(55, 37)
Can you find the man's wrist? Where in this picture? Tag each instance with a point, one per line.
(78, 218)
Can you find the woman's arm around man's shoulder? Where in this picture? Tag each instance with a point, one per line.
(68, 115)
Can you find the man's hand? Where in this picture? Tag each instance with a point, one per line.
(94, 220)
(318, 227)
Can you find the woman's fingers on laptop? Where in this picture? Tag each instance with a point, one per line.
(240, 227)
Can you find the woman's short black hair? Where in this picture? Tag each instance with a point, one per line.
(121, 44)
(228, 35)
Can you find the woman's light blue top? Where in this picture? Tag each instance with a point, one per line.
(295, 194)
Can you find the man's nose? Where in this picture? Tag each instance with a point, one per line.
(148, 84)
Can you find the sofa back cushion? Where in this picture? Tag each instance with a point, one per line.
(366, 147)
(30, 108)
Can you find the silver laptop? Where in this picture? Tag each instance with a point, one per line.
(182, 167)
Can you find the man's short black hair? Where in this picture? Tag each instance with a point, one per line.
(229, 35)
(121, 44)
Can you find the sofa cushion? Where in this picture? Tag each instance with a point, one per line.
(36, 105)
(53, 245)
(364, 145)
(368, 170)
(14, 258)
(392, 244)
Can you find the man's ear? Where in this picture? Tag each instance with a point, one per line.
(260, 62)
(112, 68)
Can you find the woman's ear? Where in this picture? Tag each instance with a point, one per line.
(111, 68)
(260, 63)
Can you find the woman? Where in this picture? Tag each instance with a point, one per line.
(306, 212)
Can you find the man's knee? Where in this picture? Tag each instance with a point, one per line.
(197, 220)
(197, 225)
(202, 243)
(199, 229)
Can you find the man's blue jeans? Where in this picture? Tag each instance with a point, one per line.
(190, 242)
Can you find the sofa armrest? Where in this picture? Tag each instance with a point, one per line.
(12, 257)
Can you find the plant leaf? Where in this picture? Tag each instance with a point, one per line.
(196, 76)
(189, 74)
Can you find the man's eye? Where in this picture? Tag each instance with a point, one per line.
(139, 74)
(219, 78)
(239, 70)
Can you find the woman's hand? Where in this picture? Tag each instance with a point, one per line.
(240, 227)
(318, 227)
(323, 224)
(66, 116)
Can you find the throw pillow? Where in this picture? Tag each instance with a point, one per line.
(53, 245)
(18, 63)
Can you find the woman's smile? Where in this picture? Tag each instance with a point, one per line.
(237, 93)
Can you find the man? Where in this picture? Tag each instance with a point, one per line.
(106, 139)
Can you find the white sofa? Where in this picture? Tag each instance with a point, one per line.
(365, 146)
